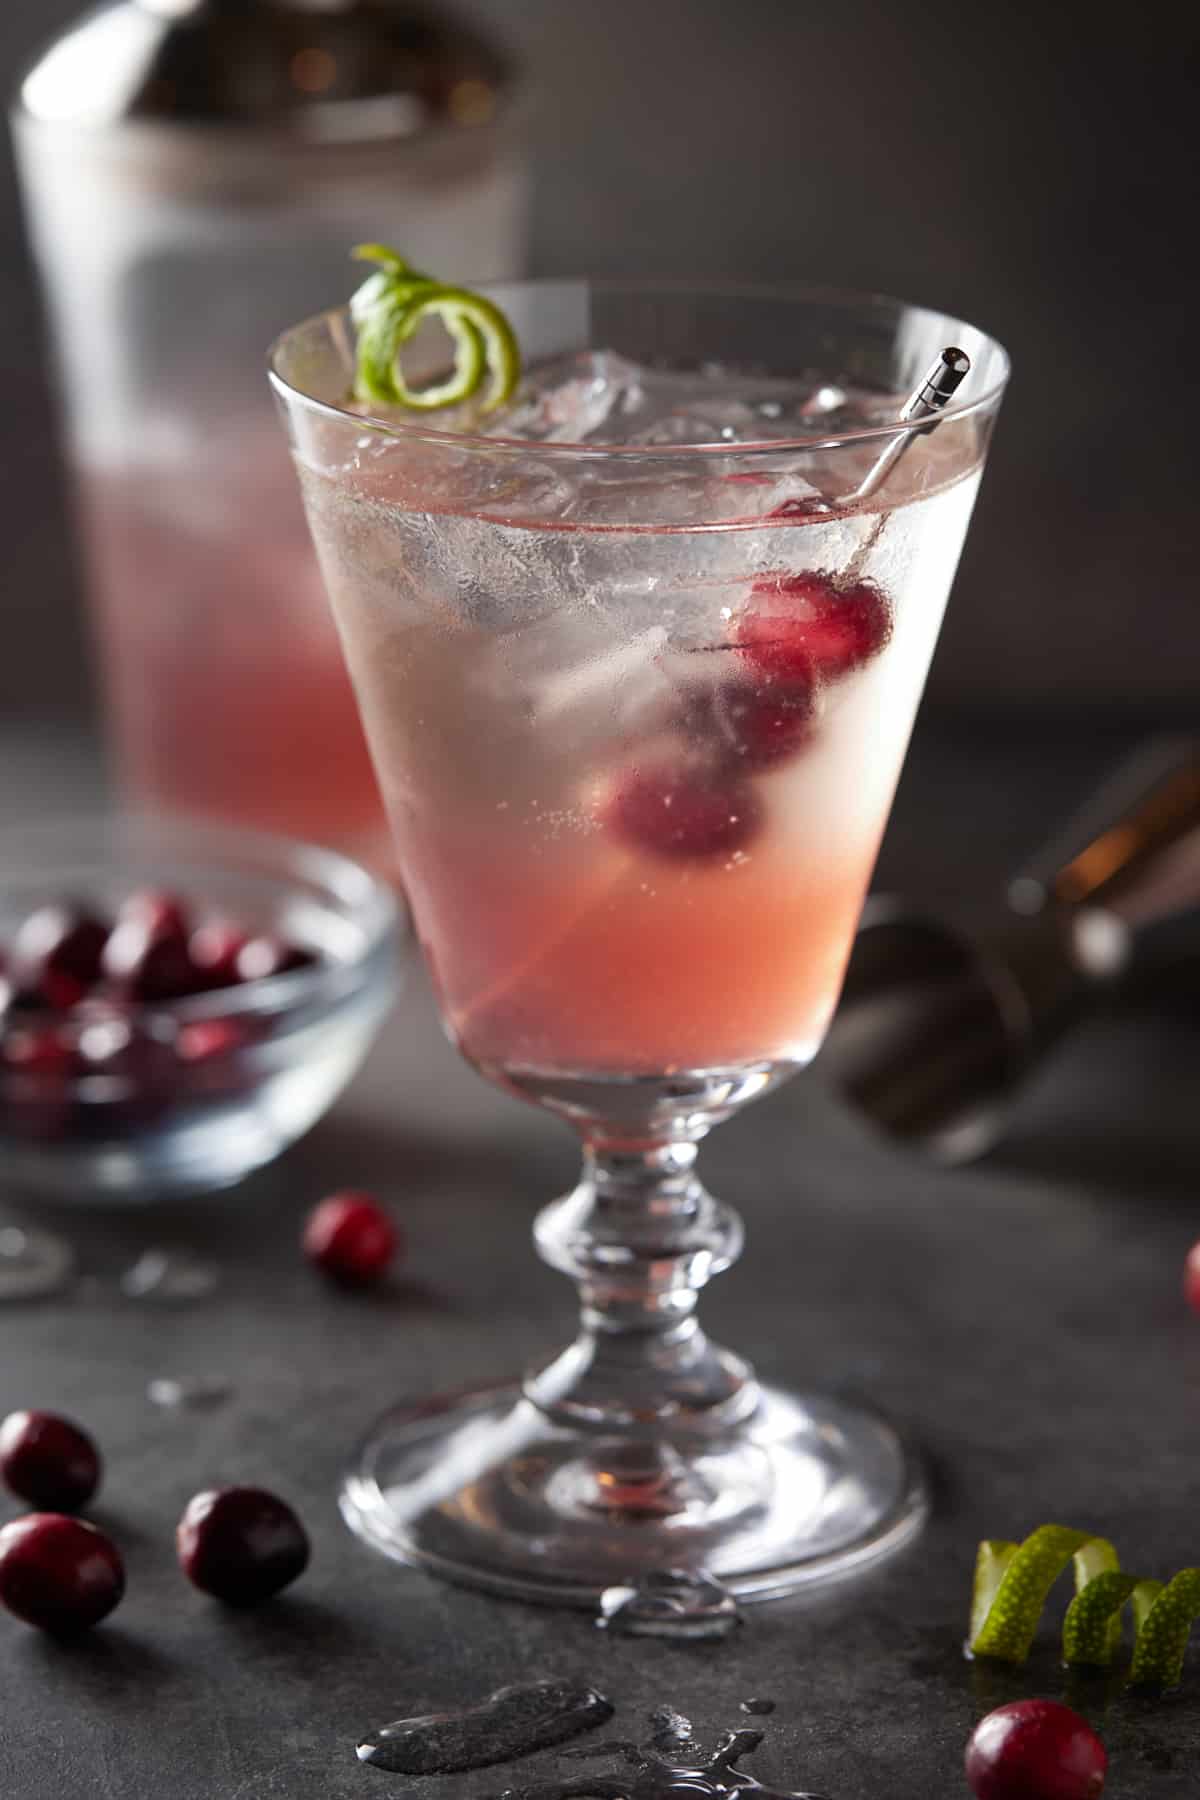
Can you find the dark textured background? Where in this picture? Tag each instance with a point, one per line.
(1033, 168)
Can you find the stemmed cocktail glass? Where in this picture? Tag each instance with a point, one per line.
(638, 661)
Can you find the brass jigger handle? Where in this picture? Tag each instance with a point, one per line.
(1130, 852)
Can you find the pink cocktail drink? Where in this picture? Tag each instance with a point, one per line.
(638, 659)
(638, 777)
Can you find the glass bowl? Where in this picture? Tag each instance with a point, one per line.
(116, 1099)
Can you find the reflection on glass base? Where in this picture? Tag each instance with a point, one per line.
(484, 1488)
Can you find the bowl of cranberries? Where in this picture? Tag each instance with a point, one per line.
(178, 1002)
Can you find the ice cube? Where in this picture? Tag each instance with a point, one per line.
(571, 399)
(601, 397)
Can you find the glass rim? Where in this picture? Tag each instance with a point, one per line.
(415, 429)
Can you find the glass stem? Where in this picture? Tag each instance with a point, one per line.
(640, 1236)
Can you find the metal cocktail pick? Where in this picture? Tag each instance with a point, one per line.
(939, 1023)
(942, 381)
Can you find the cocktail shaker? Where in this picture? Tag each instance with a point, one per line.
(195, 173)
(940, 1022)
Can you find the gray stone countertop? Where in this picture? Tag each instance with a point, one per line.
(1024, 1317)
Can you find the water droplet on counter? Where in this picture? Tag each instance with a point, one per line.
(670, 1603)
(511, 1722)
(650, 1776)
(670, 1728)
(197, 1393)
(33, 1263)
(758, 1705)
(169, 1275)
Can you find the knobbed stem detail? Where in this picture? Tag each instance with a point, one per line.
(640, 1236)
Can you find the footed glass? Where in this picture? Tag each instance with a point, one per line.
(638, 661)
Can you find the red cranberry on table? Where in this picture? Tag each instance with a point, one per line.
(57, 954)
(350, 1237)
(793, 624)
(59, 1573)
(681, 813)
(241, 1544)
(1035, 1750)
(48, 1461)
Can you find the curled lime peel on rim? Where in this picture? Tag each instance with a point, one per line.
(1013, 1583)
(389, 309)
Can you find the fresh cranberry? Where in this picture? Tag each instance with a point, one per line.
(36, 1050)
(350, 1237)
(215, 949)
(756, 723)
(48, 1461)
(163, 912)
(58, 1573)
(126, 1072)
(797, 623)
(1035, 1750)
(147, 958)
(241, 1544)
(682, 813)
(15, 1000)
(1191, 1278)
(264, 956)
(36, 1066)
(57, 954)
(205, 1040)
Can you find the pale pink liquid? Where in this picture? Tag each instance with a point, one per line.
(228, 693)
(508, 676)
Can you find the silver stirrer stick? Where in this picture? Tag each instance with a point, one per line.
(942, 381)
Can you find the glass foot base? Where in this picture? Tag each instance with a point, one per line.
(483, 1488)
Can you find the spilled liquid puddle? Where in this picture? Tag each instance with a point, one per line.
(188, 1393)
(651, 1774)
(169, 1275)
(517, 1720)
(33, 1263)
(512, 1722)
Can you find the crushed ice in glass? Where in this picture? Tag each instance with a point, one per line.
(670, 1603)
(198, 1393)
(169, 1275)
(33, 1263)
(598, 396)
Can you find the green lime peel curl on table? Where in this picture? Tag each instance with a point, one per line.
(389, 309)
(1013, 1582)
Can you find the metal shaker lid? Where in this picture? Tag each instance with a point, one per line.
(315, 71)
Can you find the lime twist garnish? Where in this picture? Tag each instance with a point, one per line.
(1013, 1582)
(389, 308)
